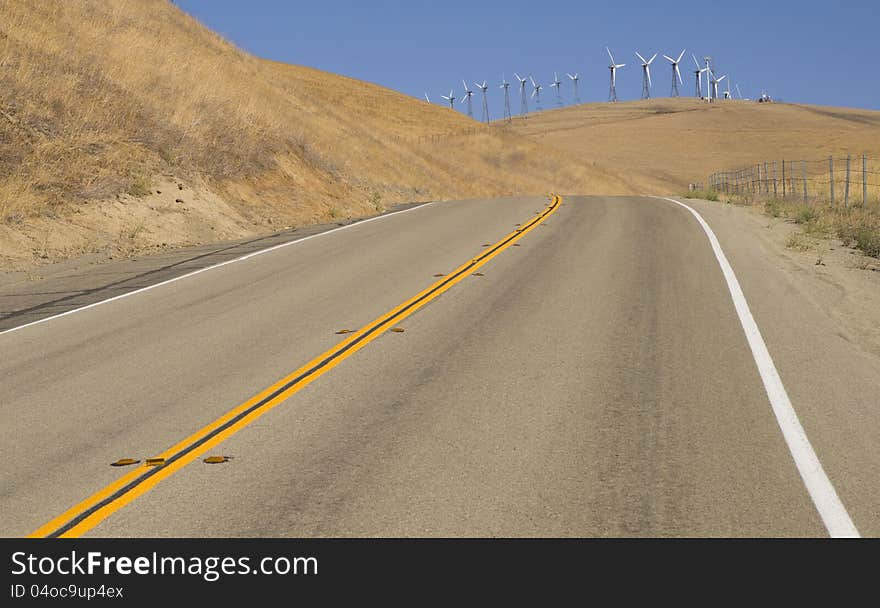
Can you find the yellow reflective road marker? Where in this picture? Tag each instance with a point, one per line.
(84, 516)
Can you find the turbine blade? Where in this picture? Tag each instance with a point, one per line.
(678, 72)
(697, 63)
(669, 58)
(652, 58)
(640, 57)
(648, 72)
(680, 56)
(609, 54)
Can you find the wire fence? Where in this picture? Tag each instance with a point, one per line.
(851, 180)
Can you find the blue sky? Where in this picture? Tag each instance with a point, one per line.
(803, 51)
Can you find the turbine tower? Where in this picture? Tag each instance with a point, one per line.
(506, 86)
(698, 77)
(450, 98)
(469, 98)
(646, 75)
(523, 97)
(555, 84)
(715, 81)
(612, 91)
(709, 76)
(575, 78)
(484, 88)
(536, 93)
(676, 73)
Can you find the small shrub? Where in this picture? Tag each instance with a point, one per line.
(139, 186)
(709, 195)
(806, 215)
(773, 208)
(376, 201)
(868, 240)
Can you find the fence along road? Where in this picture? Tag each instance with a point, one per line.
(591, 379)
(845, 180)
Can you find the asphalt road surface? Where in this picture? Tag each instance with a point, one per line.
(590, 377)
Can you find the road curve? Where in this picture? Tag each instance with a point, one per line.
(592, 380)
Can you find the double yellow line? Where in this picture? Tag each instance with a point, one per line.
(85, 515)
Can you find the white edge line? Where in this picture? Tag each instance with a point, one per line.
(207, 268)
(825, 498)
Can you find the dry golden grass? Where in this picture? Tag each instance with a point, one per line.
(662, 145)
(101, 99)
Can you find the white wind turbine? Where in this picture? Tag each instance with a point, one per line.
(468, 97)
(612, 91)
(523, 97)
(698, 77)
(428, 99)
(555, 84)
(450, 98)
(575, 78)
(536, 93)
(715, 81)
(485, 89)
(676, 73)
(506, 86)
(646, 75)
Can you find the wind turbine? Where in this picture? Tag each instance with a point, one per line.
(450, 98)
(709, 76)
(675, 72)
(715, 81)
(698, 77)
(612, 91)
(575, 78)
(468, 97)
(484, 88)
(555, 84)
(536, 93)
(646, 75)
(506, 86)
(523, 98)
(428, 99)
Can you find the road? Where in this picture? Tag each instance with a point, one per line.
(590, 378)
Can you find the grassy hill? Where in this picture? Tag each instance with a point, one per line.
(662, 145)
(129, 126)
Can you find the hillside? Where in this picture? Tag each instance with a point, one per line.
(662, 145)
(128, 126)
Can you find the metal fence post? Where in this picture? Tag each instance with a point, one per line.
(766, 179)
(846, 188)
(804, 167)
(775, 192)
(831, 177)
(783, 179)
(864, 180)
